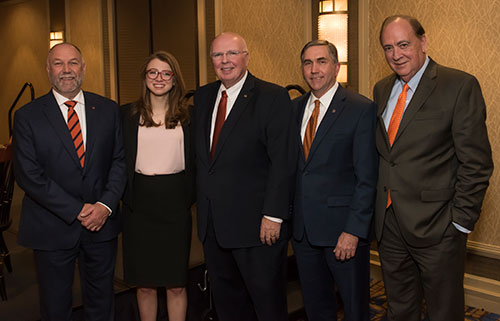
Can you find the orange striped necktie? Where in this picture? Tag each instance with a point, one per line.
(75, 131)
(311, 129)
(396, 117)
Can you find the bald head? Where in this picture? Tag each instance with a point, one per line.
(230, 57)
(230, 36)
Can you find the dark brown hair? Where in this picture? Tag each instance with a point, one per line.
(177, 106)
(414, 23)
(332, 50)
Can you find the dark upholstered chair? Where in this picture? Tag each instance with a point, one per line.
(6, 192)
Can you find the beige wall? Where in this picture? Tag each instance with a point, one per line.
(274, 32)
(24, 35)
(462, 34)
(84, 28)
(24, 32)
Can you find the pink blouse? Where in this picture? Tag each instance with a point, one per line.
(160, 151)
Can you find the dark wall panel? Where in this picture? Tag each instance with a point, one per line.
(133, 43)
(174, 26)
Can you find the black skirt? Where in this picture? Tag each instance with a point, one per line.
(157, 232)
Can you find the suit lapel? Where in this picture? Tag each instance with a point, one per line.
(56, 119)
(132, 123)
(301, 107)
(424, 89)
(241, 102)
(206, 119)
(333, 112)
(382, 104)
(92, 120)
(186, 133)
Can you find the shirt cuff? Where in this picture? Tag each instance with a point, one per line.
(106, 206)
(461, 228)
(274, 219)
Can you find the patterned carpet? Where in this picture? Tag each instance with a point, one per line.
(378, 308)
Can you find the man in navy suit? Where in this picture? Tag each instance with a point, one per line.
(335, 189)
(69, 160)
(245, 168)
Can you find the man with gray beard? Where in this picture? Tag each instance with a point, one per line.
(69, 160)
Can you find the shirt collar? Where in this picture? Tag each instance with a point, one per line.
(234, 90)
(61, 99)
(415, 80)
(326, 99)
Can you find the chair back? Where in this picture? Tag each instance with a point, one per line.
(6, 185)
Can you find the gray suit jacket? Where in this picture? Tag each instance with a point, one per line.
(440, 163)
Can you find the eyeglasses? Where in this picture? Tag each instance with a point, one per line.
(165, 74)
(229, 54)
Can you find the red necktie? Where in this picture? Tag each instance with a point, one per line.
(219, 121)
(311, 129)
(75, 131)
(396, 117)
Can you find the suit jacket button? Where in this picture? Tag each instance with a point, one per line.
(385, 188)
(210, 172)
(393, 164)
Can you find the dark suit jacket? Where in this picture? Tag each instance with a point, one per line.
(335, 190)
(46, 167)
(130, 129)
(440, 163)
(253, 166)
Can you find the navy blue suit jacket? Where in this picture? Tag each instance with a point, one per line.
(335, 188)
(46, 167)
(252, 171)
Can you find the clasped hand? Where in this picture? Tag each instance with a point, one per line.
(93, 216)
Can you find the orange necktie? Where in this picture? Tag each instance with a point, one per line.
(311, 129)
(396, 117)
(75, 131)
(219, 121)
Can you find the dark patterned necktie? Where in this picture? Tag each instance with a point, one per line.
(219, 121)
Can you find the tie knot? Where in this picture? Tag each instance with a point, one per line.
(70, 103)
(317, 103)
(224, 94)
(406, 87)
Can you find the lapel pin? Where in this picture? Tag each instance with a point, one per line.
(334, 110)
(245, 95)
(93, 107)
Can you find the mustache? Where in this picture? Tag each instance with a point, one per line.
(67, 74)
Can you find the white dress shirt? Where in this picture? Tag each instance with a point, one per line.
(232, 95)
(325, 101)
(79, 109)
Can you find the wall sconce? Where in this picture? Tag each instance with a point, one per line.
(56, 37)
(332, 26)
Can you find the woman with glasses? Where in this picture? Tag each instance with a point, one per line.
(160, 190)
